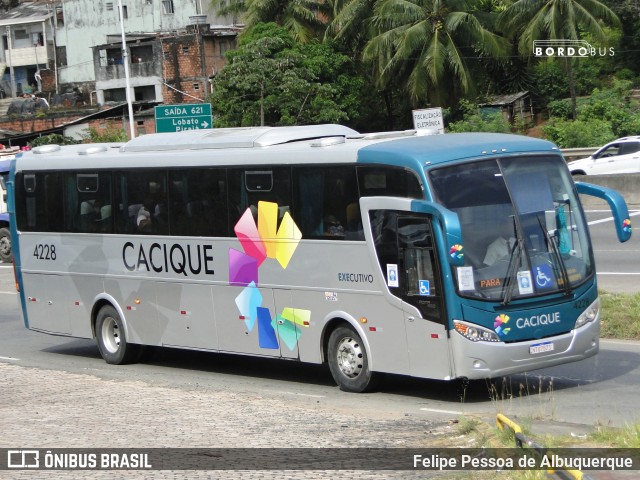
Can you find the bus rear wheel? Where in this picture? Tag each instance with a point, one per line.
(349, 361)
(111, 338)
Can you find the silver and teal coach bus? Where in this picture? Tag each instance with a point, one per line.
(444, 256)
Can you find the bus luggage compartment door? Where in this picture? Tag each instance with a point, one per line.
(46, 308)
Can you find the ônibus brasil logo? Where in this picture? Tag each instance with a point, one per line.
(569, 48)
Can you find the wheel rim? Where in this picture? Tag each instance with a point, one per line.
(349, 357)
(111, 334)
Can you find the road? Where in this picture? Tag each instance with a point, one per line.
(618, 264)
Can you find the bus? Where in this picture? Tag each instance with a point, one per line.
(372, 253)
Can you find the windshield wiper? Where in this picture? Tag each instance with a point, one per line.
(514, 263)
(564, 275)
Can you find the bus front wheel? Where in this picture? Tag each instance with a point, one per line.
(349, 361)
(111, 338)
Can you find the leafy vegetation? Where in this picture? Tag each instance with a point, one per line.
(473, 120)
(272, 80)
(107, 134)
(605, 115)
(52, 139)
(368, 63)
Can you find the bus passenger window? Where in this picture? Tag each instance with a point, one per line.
(326, 203)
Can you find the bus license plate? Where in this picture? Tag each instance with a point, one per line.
(541, 348)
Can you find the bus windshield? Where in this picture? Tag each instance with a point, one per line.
(524, 234)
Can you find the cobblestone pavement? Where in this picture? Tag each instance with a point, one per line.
(53, 409)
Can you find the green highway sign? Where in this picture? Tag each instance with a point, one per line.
(186, 116)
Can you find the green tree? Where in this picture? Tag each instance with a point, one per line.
(272, 80)
(422, 45)
(529, 20)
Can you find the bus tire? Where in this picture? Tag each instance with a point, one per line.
(111, 338)
(5, 245)
(349, 361)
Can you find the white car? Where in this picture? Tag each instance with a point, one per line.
(619, 156)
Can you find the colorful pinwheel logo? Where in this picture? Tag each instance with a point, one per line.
(259, 242)
(499, 325)
(626, 226)
(457, 252)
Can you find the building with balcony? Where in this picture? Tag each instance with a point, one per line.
(167, 67)
(27, 47)
(83, 24)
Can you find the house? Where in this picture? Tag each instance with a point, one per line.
(512, 106)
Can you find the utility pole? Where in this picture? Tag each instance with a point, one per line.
(125, 61)
(11, 74)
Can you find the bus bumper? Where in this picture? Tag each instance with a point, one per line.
(477, 360)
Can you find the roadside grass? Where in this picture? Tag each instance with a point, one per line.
(620, 316)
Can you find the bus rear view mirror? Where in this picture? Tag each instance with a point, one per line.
(616, 203)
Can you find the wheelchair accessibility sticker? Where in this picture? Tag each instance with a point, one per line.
(544, 277)
(424, 288)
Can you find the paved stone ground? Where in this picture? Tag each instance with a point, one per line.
(53, 409)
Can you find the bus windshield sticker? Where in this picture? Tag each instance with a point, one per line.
(544, 277)
(392, 275)
(465, 278)
(424, 288)
(525, 287)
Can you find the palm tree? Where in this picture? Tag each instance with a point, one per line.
(529, 20)
(424, 44)
(350, 21)
(305, 19)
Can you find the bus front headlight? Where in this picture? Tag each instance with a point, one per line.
(475, 333)
(589, 315)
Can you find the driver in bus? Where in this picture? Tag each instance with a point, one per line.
(502, 246)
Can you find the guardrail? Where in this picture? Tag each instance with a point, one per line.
(575, 153)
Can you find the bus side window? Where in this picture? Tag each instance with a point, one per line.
(323, 201)
(42, 194)
(247, 188)
(138, 188)
(88, 202)
(198, 202)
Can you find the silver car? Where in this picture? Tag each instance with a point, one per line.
(619, 156)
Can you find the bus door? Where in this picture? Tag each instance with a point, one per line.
(405, 247)
(420, 288)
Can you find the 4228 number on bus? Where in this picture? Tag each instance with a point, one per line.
(45, 251)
